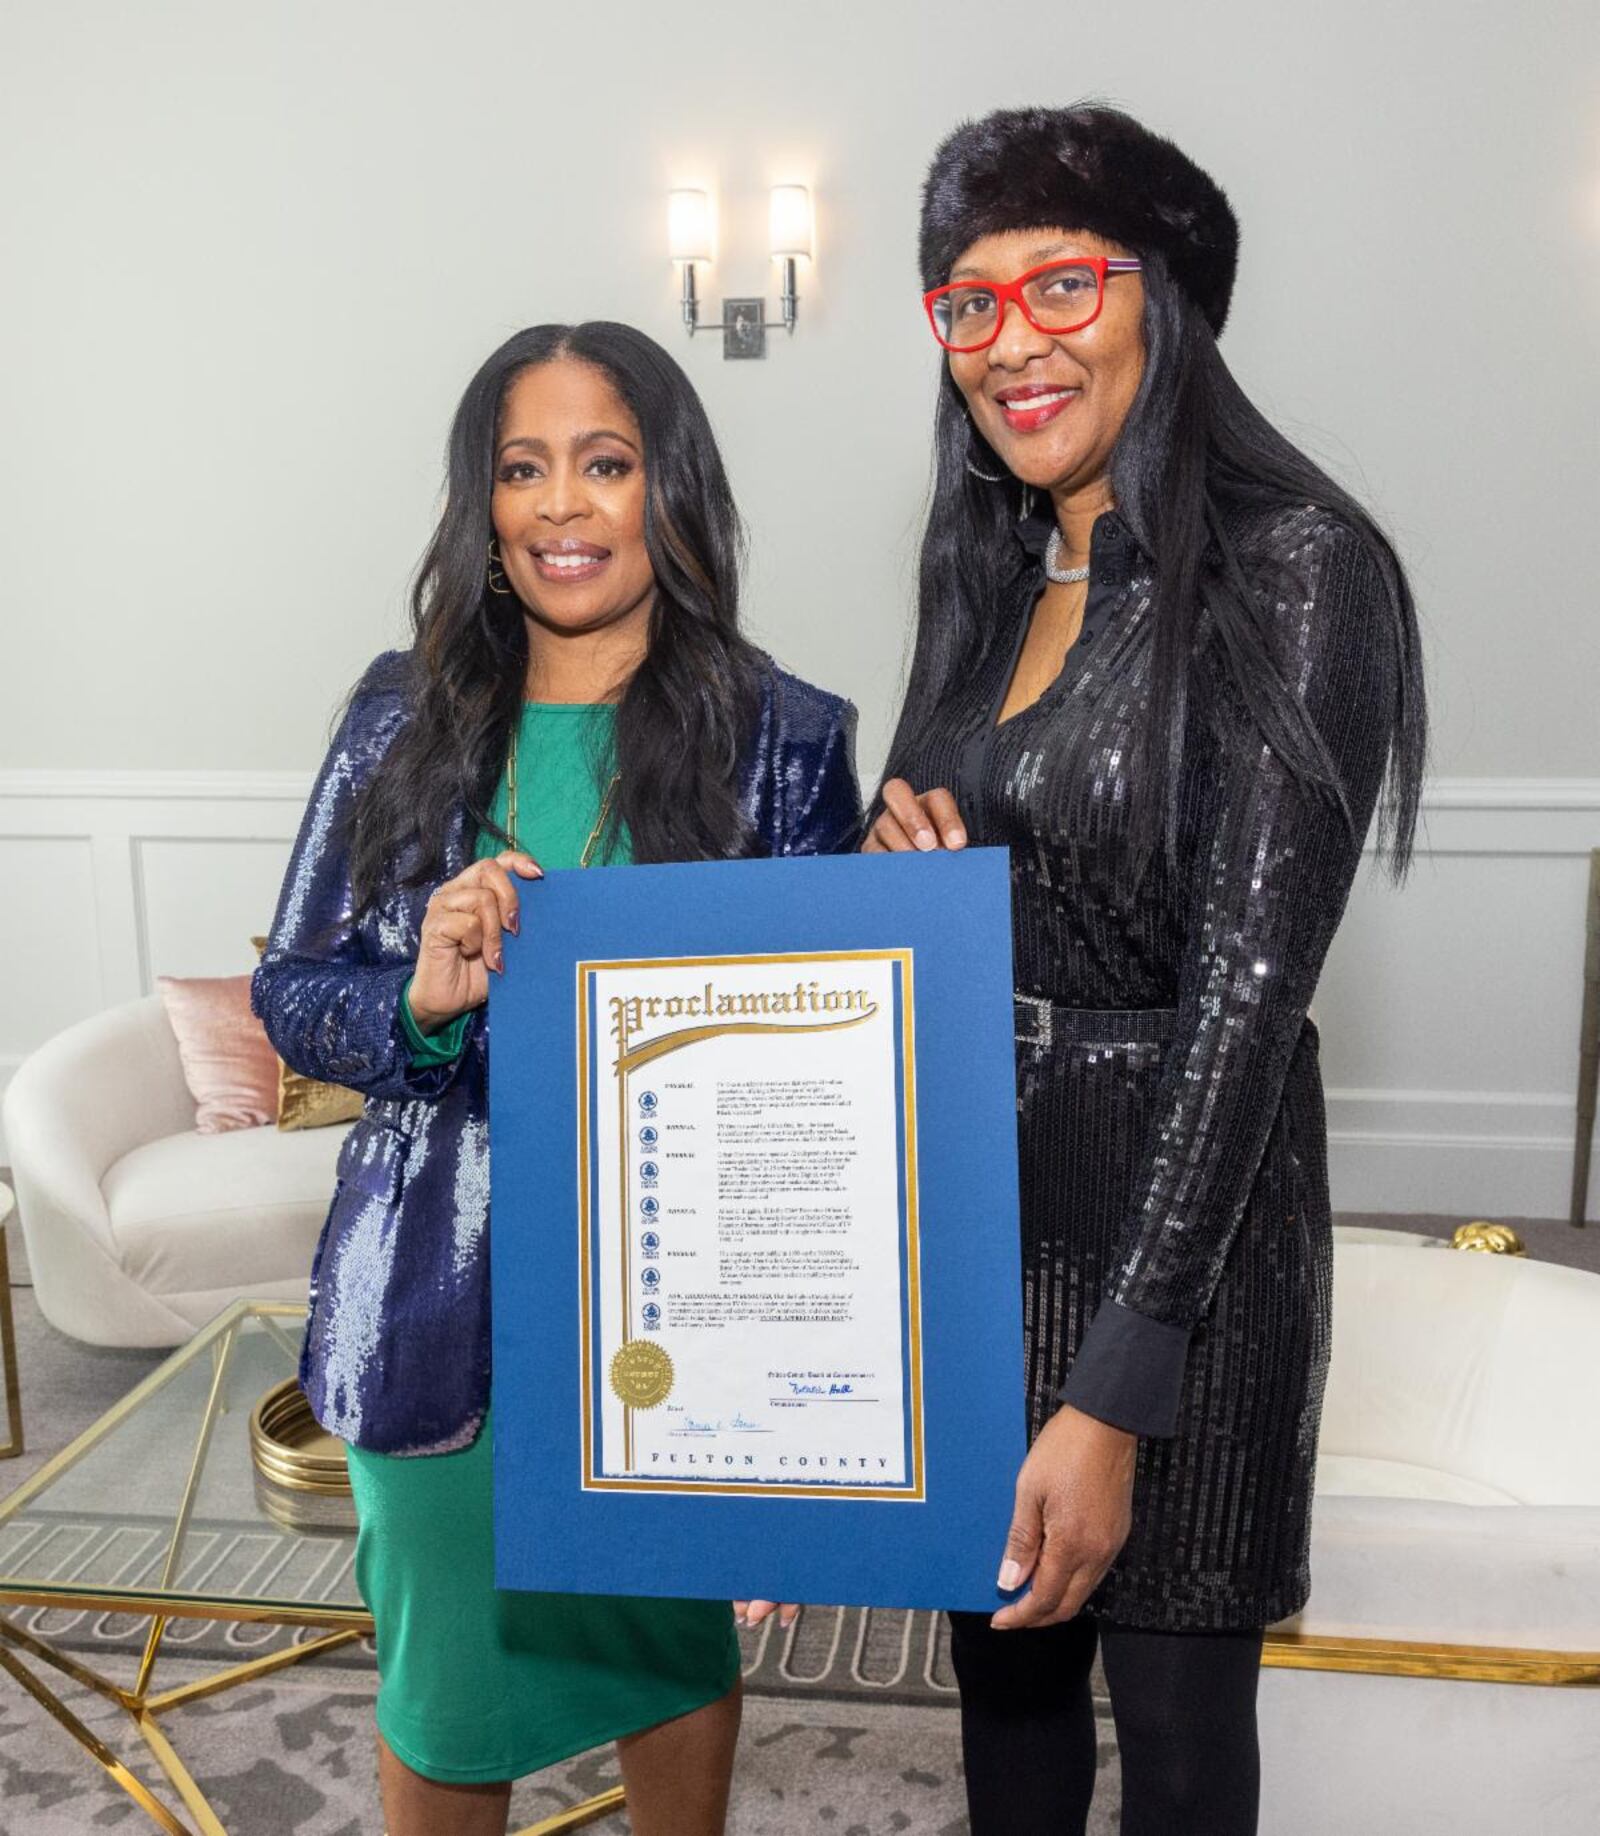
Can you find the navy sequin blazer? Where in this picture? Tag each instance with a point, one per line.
(397, 1345)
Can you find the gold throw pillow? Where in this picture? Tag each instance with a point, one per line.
(307, 1102)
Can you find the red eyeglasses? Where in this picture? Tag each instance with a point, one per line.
(1062, 296)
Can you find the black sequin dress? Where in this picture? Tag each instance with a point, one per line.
(1172, 1136)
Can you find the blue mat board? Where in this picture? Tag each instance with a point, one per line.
(952, 912)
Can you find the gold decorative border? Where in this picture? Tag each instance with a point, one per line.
(916, 1490)
(1395, 1657)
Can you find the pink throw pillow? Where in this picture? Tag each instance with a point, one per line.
(228, 1061)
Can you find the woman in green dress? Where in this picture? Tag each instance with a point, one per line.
(578, 695)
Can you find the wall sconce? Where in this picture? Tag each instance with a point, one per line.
(690, 235)
(789, 235)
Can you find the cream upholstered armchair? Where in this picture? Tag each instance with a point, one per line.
(138, 1228)
(1455, 1559)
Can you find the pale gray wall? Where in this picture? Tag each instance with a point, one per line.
(252, 253)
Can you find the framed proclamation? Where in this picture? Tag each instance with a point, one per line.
(755, 1258)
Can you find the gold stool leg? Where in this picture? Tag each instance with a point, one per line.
(590, 1811)
(8, 1353)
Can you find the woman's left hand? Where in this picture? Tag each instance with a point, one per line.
(1074, 1510)
(752, 1612)
(909, 821)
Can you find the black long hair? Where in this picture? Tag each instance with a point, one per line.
(685, 716)
(1194, 460)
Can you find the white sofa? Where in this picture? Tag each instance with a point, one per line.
(138, 1228)
(1457, 1503)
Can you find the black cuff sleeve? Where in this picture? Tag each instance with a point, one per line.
(1129, 1371)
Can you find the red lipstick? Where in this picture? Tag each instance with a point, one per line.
(1029, 406)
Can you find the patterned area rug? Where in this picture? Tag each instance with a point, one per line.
(293, 1757)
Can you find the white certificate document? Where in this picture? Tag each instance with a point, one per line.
(748, 1265)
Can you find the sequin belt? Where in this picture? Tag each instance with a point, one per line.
(1041, 1021)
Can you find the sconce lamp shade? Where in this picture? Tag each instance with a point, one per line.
(689, 225)
(790, 220)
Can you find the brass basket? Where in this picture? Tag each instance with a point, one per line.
(302, 1478)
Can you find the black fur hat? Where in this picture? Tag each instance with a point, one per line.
(1085, 168)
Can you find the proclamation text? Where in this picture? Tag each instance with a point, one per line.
(748, 1264)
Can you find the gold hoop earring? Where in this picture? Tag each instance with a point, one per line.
(497, 579)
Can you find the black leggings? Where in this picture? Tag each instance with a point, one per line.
(1184, 1704)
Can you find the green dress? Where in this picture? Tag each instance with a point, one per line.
(477, 1684)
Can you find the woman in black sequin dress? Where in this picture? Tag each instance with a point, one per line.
(1172, 667)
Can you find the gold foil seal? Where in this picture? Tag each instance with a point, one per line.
(641, 1374)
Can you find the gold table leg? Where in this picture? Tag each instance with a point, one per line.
(144, 1709)
(8, 1354)
(206, 1821)
(141, 1703)
(137, 1702)
(590, 1811)
(93, 1745)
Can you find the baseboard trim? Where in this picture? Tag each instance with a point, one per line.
(1519, 1176)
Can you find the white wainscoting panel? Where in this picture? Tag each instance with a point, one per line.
(1448, 1010)
(113, 878)
(201, 899)
(49, 935)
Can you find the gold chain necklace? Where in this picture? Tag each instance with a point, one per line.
(511, 806)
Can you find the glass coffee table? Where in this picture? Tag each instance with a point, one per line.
(159, 1512)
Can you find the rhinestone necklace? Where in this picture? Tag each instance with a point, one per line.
(1062, 576)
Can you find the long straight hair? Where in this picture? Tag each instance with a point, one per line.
(1193, 454)
(686, 715)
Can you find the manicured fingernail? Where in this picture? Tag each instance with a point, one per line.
(1010, 1577)
(927, 839)
(957, 838)
(512, 923)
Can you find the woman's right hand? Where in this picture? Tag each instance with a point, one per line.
(460, 940)
(909, 821)
(754, 1612)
